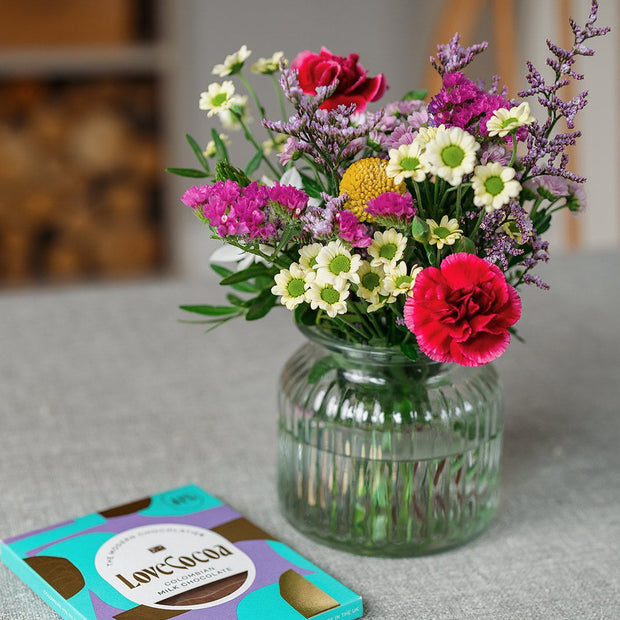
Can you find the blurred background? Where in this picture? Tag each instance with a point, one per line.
(96, 97)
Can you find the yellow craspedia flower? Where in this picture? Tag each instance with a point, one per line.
(364, 180)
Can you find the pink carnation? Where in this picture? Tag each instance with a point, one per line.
(392, 204)
(352, 230)
(461, 312)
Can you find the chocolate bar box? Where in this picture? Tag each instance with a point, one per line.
(183, 554)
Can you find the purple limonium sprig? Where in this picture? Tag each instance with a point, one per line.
(544, 150)
(328, 137)
(453, 57)
(318, 220)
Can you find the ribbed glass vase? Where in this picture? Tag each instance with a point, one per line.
(380, 455)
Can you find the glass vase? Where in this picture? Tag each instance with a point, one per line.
(381, 455)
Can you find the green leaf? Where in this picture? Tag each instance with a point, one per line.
(322, 367)
(420, 230)
(415, 95)
(261, 306)
(254, 163)
(464, 244)
(210, 310)
(220, 148)
(238, 302)
(311, 187)
(410, 350)
(304, 315)
(242, 287)
(198, 152)
(542, 225)
(188, 172)
(258, 269)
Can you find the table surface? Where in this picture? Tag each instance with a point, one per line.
(105, 397)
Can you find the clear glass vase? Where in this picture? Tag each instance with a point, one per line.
(380, 455)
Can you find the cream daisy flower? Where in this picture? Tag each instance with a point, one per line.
(277, 143)
(307, 256)
(506, 121)
(370, 284)
(238, 111)
(512, 230)
(387, 248)
(398, 282)
(290, 286)
(426, 134)
(494, 185)
(233, 63)
(406, 163)
(451, 154)
(217, 97)
(444, 233)
(334, 262)
(210, 149)
(267, 66)
(330, 297)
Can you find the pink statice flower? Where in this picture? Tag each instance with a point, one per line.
(577, 199)
(292, 199)
(352, 230)
(462, 103)
(392, 205)
(556, 187)
(233, 211)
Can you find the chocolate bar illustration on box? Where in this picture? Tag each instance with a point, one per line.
(182, 553)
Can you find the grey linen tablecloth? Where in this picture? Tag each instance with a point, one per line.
(105, 398)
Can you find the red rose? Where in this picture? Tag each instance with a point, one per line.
(462, 311)
(354, 86)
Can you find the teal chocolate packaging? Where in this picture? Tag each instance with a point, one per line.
(182, 554)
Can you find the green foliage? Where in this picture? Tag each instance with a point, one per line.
(221, 153)
(188, 172)
(207, 310)
(415, 95)
(198, 152)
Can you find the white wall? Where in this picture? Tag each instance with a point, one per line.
(391, 36)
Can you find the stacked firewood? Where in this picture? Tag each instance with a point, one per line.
(80, 178)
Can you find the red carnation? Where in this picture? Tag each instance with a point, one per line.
(354, 86)
(462, 311)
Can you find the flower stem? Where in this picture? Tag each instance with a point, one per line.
(252, 140)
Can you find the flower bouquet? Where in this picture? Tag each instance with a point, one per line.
(398, 239)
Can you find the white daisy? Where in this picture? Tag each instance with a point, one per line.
(451, 154)
(426, 134)
(370, 284)
(267, 66)
(217, 97)
(444, 233)
(398, 282)
(307, 256)
(387, 248)
(334, 262)
(506, 121)
(233, 63)
(290, 286)
(406, 163)
(330, 297)
(237, 111)
(494, 185)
